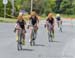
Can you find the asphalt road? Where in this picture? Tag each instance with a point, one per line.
(62, 47)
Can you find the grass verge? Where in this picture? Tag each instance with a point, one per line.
(7, 20)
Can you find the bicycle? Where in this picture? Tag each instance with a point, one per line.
(20, 39)
(33, 36)
(60, 25)
(50, 33)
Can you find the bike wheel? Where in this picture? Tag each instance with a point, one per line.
(49, 36)
(31, 42)
(60, 29)
(19, 45)
(19, 42)
(33, 37)
(60, 26)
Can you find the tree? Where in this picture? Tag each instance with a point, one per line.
(1, 8)
(57, 6)
(66, 7)
(49, 6)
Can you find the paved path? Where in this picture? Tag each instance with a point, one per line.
(62, 47)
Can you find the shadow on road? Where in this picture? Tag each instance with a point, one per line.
(27, 50)
(39, 45)
(56, 41)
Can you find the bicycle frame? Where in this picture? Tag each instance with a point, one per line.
(50, 32)
(33, 36)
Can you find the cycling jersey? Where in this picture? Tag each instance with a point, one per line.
(22, 24)
(51, 21)
(33, 20)
(58, 18)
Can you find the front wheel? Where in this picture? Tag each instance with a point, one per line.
(19, 45)
(61, 29)
(33, 37)
(50, 36)
(19, 40)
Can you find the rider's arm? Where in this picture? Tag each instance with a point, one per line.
(37, 21)
(53, 22)
(46, 22)
(29, 23)
(15, 28)
(61, 20)
(16, 25)
(24, 22)
(25, 25)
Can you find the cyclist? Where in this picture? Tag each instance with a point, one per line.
(33, 22)
(50, 23)
(20, 24)
(59, 21)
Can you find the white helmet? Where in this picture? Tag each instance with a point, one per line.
(58, 15)
(20, 14)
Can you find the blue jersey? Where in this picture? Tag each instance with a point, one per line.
(58, 18)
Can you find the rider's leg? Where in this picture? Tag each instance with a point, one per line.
(58, 23)
(30, 35)
(24, 34)
(36, 29)
(48, 30)
(16, 35)
(53, 31)
(23, 37)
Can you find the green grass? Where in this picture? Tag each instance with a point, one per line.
(10, 20)
(7, 20)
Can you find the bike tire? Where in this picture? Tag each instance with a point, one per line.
(32, 43)
(19, 43)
